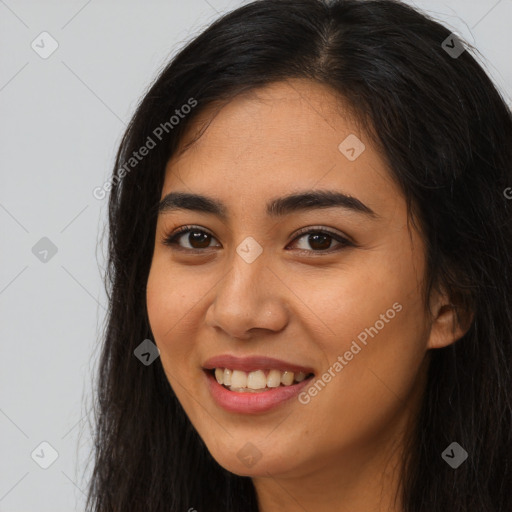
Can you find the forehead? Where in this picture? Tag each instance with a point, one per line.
(280, 138)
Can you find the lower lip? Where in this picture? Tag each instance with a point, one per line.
(252, 403)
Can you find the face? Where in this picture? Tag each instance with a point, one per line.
(329, 286)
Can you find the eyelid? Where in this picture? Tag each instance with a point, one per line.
(323, 229)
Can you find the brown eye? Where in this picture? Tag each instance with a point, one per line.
(197, 239)
(319, 241)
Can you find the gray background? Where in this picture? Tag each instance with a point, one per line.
(61, 121)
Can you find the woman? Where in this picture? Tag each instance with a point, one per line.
(310, 273)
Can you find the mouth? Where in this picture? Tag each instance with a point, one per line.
(253, 385)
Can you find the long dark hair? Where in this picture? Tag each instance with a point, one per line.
(446, 133)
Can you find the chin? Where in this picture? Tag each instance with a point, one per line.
(255, 461)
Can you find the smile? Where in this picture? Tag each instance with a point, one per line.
(253, 384)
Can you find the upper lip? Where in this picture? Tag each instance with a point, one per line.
(252, 363)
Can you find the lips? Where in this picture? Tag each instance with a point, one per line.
(253, 363)
(248, 400)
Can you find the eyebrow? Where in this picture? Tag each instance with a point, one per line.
(278, 207)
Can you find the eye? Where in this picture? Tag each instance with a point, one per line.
(197, 238)
(319, 239)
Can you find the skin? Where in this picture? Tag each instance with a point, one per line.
(341, 451)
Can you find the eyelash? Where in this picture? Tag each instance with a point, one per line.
(171, 239)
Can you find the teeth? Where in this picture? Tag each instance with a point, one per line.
(299, 377)
(287, 378)
(256, 380)
(274, 379)
(238, 380)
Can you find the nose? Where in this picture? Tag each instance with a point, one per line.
(249, 298)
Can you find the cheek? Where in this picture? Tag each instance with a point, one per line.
(374, 320)
(365, 387)
(170, 305)
(340, 303)
(170, 294)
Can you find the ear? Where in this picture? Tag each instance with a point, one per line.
(447, 326)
